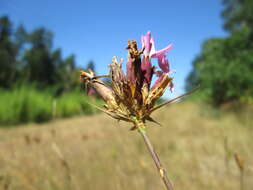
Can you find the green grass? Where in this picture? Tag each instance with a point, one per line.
(26, 104)
(73, 104)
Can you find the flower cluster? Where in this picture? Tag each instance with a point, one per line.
(131, 97)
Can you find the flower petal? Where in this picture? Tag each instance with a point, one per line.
(152, 51)
(162, 51)
(146, 41)
(163, 63)
(147, 69)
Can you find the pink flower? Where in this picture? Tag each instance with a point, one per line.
(163, 63)
(147, 70)
(148, 45)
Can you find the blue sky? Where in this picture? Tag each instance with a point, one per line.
(98, 30)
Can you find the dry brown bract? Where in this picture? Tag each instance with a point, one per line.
(129, 98)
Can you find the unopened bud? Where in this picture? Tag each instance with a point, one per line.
(104, 91)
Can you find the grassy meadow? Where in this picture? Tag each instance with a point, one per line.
(196, 145)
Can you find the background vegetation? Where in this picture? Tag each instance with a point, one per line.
(27, 104)
(36, 82)
(224, 67)
(34, 75)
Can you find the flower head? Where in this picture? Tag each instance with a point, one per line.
(130, 97)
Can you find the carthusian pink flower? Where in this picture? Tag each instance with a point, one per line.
(130, 97)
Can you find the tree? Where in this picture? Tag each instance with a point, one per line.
(224, 67)
(28, 57)
(8, 54)
(91, 65)
(39, 65)
(237, 14)
(67, 74)
(20, 39)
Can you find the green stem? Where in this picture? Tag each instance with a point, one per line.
(161, 170)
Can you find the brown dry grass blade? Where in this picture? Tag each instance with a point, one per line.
(133, 128)
(101, 76)
(152, 120)
(118, 117)
(175, 99)
(100, 82)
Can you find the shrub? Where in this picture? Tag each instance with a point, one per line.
(27, 104)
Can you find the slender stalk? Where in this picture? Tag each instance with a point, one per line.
(161, 170)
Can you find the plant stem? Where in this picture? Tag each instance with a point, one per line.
(161, 170)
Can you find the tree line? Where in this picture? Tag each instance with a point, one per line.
(29, 58)
(224, 67)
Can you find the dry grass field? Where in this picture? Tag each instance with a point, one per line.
(195, 145)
